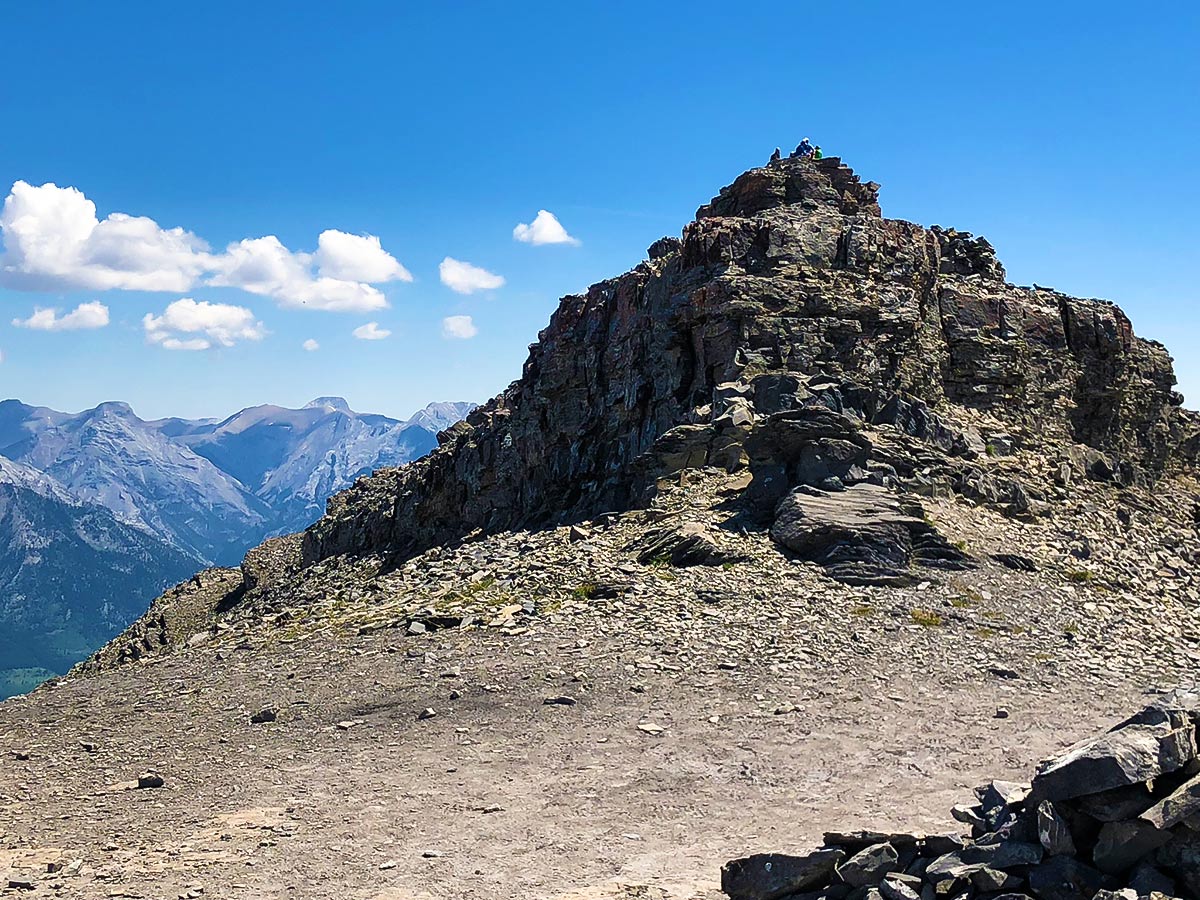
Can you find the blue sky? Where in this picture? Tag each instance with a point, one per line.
(1066, 133)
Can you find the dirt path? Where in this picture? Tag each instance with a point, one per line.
(498, 795)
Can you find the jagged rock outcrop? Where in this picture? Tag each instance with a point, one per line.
(1113, 817)
(795, 332)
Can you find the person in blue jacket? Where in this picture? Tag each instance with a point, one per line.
(803, 150)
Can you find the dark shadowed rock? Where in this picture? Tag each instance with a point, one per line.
(868, 866)
(1121, 845)
(1128, 756)
(1066, 878)
(770, 876)
(1146, 880)
(150, 780)
(854, 841)
(1117, 804)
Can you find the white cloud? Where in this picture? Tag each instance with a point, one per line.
(188, 324)
(465, 278)
(264, 266)
(84, 316)
(371, 332)
(544, 229)
(53, 240)
(355, 257)
(458, 328)
(311, 346)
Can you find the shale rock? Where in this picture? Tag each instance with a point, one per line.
(770, 876)
(861, 535)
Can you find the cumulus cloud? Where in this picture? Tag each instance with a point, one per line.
(189, 324)
(265, 266)
(311, 346)
(544, 229)
(465, 278)
(357, 257)
(53, 240)
(371, 332)
(84, 316)
(458, 328)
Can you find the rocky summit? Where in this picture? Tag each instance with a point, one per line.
(811, 518)
(795, 334)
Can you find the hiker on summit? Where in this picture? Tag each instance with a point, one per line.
(816, 154)
(803, 150)
(775, 156)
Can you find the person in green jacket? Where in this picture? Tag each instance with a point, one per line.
(817, 152)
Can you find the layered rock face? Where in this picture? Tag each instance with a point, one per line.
(789, 320)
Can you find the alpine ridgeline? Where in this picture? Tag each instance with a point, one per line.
(834, 365)
(789, 324)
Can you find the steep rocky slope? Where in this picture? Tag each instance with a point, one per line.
(810, 513)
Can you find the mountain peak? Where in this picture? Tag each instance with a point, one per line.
(337, 404)
(796, 182)
(789, 322)
(114, 408)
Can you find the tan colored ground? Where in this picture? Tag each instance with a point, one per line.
(518, 798)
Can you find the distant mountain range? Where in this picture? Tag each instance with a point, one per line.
(100, 510)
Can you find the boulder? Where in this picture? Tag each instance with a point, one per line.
(1128, 756)
(682, 544)
(868, 866)
(863, 535)
(770, 876)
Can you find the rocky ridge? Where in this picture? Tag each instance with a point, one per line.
(795, 333)
(844, 365)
